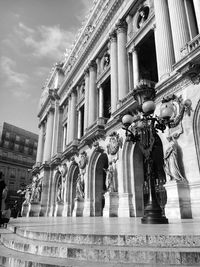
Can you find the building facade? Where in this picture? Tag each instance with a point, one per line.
(84, 161)
(18, 149)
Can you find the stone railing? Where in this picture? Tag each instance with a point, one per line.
(191, 45)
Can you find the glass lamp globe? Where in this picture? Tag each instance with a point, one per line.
(148, 107)
(127, 120)
(166, 110)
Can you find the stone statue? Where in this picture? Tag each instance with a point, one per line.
(36, 189)
(80, 186)
(59, 190)
(171, 161)
(109, 178)
(62, 170)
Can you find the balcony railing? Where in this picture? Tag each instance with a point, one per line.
(191, 45)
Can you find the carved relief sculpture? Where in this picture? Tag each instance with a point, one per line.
(115, 142)
(110, 185)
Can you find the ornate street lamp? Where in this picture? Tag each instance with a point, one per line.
(142, 127)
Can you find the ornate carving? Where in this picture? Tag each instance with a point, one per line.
(83, 161)
(115, 143)
(180, 107)
(142, 16)
(121, 26)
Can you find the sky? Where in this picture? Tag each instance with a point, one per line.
(34, 35)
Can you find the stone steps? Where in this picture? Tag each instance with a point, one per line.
(106, 249)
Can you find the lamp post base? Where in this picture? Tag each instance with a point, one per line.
(154, 220)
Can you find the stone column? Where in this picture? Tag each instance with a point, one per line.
(86, 100)
(92, 94)
(55, 129)
(197, 12)
(163, 37)
(49, 135)
(68, 121)
(136, 73)
(40, 143)
(122, 59)
(101, 102)
(180, 30)
(113, 71)
(59, 139)
(79, 124)
(73, 117)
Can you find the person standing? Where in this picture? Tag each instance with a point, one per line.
(2, 187)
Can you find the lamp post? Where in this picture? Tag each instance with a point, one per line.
(142, 128)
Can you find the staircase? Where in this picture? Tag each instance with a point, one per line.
(27, 246)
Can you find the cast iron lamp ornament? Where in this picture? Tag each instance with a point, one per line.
(142, 128)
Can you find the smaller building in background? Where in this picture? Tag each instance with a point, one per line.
(17, 155)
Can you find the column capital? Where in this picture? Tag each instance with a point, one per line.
(121, 26)
(92, 65)
(113, 36)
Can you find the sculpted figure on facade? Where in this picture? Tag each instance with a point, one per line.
(171, 161)
(80, 186)
(36, 189)
(110, 184)
(62, 170)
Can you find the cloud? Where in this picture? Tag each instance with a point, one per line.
(16, 81)
(49, 42)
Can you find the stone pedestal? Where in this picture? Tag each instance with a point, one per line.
(78, 207)
(59, 209)
(178, 201)
(34, 210)
(111, 204)
(125, 208)
(25, 209)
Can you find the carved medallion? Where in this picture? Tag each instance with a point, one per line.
(83, 160)
(115, 143)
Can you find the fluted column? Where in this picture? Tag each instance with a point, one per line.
(68, 121)
(73, 117)
(55, 128)
(40, 146)
(136, 73)
(58, 131)
(101, 102)
(113, 71)
(49, 135)
(197, 12)
(86, 100)
(122, 59)
(163, 36)
(180, 31)
(92, 94)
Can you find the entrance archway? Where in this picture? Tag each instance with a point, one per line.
(71, 187)
(99, 185)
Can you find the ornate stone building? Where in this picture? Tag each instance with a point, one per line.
(18, 149)
(84, 161)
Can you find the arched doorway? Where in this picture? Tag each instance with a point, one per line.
(99, 185)
(71, 187)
